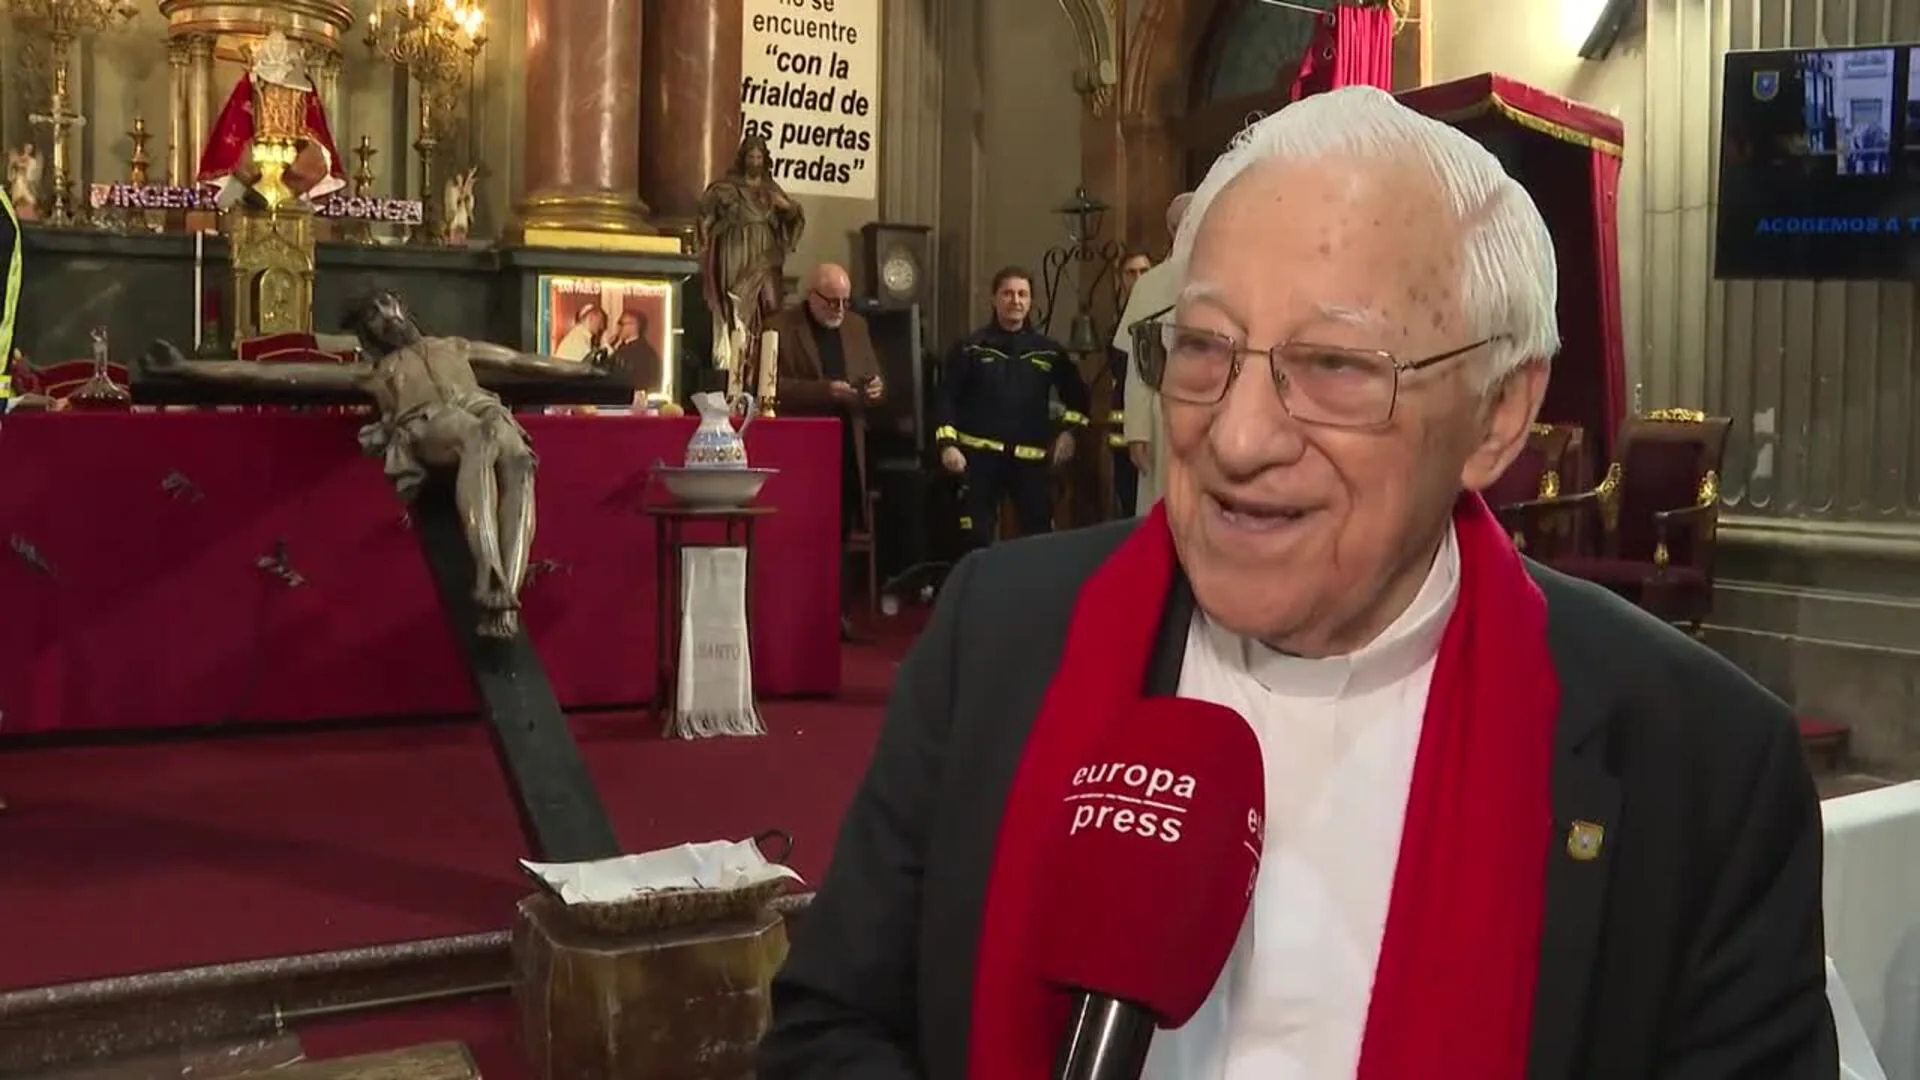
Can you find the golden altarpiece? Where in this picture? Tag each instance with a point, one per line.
(272, 246)
(202, 34)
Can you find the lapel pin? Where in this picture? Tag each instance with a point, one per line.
(1584, 839)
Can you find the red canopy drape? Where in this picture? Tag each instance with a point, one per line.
(1566, 155)
(1351, 46)
(1363, 46)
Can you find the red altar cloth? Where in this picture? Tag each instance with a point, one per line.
(158, 604)
(1567, 155)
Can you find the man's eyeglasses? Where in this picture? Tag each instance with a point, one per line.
(833, 303)
(1317, 384)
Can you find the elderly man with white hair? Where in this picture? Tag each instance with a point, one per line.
(1514, 828)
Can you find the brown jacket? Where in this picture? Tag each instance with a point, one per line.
(803, 385)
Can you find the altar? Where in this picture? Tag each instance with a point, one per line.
(169, 570)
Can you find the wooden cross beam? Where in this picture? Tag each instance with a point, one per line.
(561, 814)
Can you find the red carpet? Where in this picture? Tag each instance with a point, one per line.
(159, 855)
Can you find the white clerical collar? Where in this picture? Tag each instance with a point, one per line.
(1399, 651)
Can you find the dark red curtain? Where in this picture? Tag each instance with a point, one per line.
(1606, 240)
(1351, 46)
(1568, 158)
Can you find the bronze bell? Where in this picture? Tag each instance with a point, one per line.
(1080, 336)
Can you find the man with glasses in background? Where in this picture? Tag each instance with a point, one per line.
(828, 368)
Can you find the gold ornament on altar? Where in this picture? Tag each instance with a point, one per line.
(138, 163)
(272, 254)
(60, 24)
(436, 45)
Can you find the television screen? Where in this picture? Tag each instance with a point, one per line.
(1820, 165)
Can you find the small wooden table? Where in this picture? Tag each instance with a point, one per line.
(670, 523)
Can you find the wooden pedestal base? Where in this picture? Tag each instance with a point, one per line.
(676, 1005)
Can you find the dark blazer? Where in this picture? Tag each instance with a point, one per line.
(1690, 949)
(803, 382)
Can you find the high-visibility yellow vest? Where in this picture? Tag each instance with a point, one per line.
(10, 298)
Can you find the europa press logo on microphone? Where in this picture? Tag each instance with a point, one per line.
(1139, 800)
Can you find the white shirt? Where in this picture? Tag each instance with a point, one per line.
(1338, 738)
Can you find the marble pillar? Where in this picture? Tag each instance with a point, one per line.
(323, 67)
(180, 166)
(199, 98)
(582, 139)
(689, 104)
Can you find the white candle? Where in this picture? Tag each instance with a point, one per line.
(770, 365)
(199, 298)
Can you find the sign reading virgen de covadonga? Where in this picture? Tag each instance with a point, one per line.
(810, 86)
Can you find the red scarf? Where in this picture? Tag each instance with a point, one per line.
(1453, 994)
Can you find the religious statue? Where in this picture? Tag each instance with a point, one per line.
(23, 181)
(460, 202)
(434, 414)
(29, 390)
(276, 83)
(747, 227)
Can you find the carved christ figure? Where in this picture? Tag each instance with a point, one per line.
(747, 228)
(227, 162)
(434, 414)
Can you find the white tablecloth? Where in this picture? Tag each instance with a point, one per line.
(1872, 898)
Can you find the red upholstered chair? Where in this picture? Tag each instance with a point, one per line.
(294, 348)
(1655, 515)
(1538, 473)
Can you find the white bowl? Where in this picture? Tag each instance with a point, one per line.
(712, 488)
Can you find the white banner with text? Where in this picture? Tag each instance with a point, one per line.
(810, 86)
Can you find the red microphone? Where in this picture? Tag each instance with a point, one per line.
(1154, 852)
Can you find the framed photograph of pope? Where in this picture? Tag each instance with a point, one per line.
(631, 318)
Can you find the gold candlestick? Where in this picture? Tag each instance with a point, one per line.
(363, 172)
(138, 164)
(361, 231)
(429, 231)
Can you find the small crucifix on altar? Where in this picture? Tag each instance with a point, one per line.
(59, 124)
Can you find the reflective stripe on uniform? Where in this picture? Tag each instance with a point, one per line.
(10, 302)
(1020, 453)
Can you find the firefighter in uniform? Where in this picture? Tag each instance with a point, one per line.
(9, 304)
(9, 298)
(994, 419)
